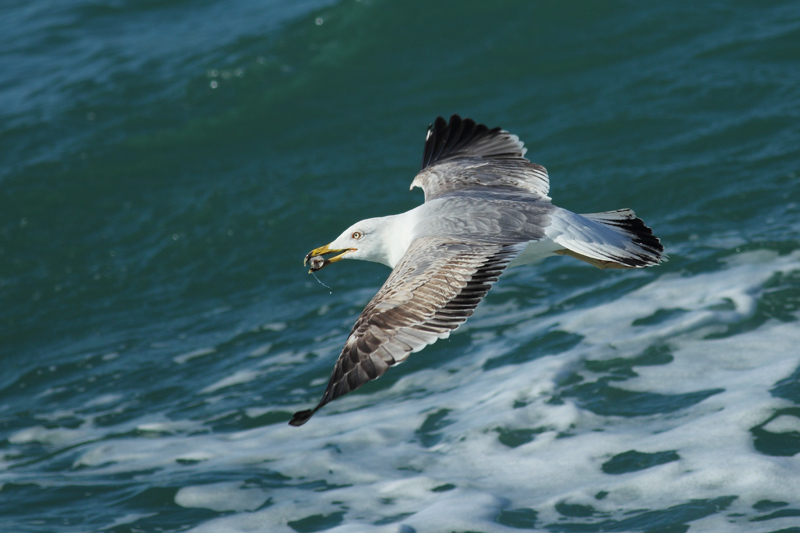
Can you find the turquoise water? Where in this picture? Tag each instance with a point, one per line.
(165, 166)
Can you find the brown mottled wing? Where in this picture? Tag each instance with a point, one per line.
(462, 154)
(433, 290)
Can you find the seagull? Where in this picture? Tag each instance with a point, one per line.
(486, 209)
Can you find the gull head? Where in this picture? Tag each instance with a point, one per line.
(363, 240)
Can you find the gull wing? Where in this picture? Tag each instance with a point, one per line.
(433, 289)
(462, 154)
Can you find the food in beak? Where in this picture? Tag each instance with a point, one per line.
(317, 262)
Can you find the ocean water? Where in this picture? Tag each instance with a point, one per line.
(165, 166)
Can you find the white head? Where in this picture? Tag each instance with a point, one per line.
(364, 240)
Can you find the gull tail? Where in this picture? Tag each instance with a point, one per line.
(613, 239)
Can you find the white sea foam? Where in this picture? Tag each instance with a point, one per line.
(183, 358)
(127, 519)
(563, 463)
(226, 496)
(426, 453)
(104, 399)
(783, 424)
(43, 435)
(237, 378)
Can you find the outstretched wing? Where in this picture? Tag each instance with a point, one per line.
(433, 289)
(462, 154)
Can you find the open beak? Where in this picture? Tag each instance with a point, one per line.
(316, 260)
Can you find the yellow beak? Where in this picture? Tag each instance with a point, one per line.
(317, 261)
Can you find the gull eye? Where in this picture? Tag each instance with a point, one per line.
(356, 235)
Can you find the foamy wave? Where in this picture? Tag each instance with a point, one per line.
(475, 444)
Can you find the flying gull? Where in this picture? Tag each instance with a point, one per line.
(486, 209)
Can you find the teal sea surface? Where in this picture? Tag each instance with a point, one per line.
(166, 165)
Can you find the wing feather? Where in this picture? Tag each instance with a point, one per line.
(433, 289)
(462, 154)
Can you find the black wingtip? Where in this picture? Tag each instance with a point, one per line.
(301, 417)
(448, 139)
(434, 137)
